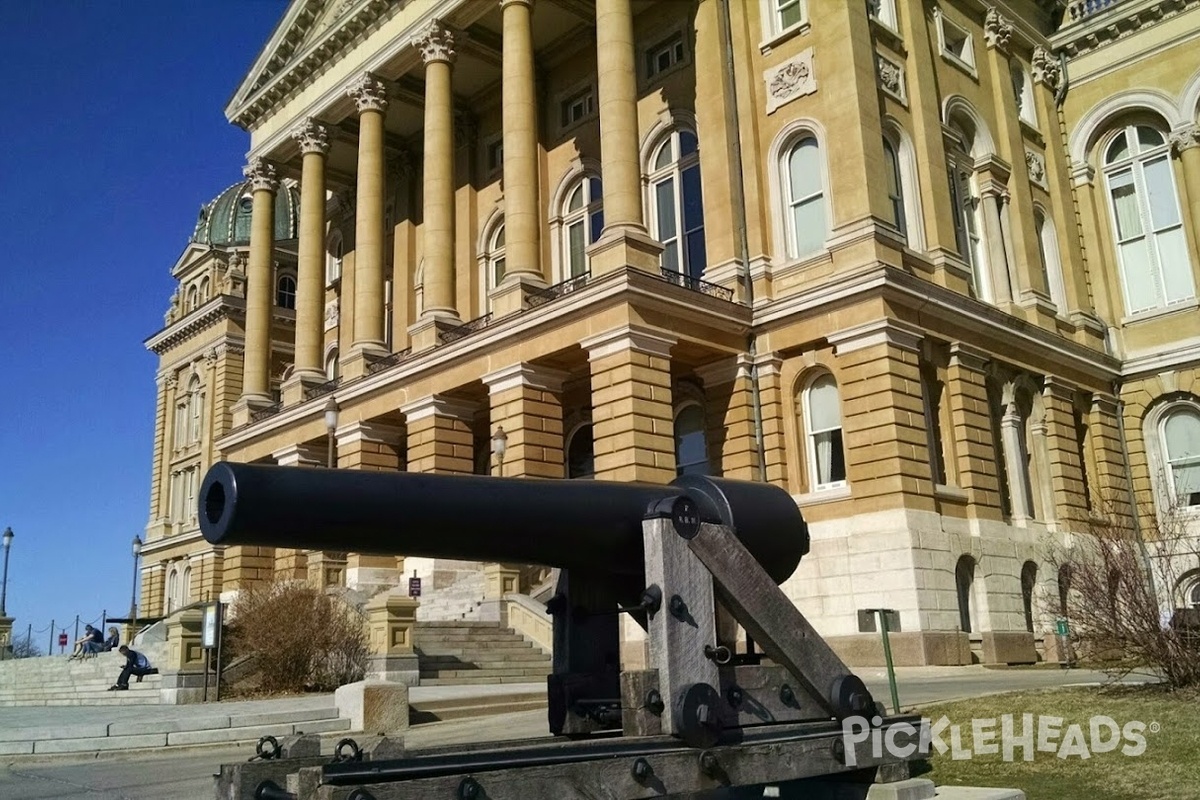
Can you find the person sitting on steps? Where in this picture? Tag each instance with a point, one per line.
(135, 664)
(87, 644)
(112, 641)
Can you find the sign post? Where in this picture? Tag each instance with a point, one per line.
(889, 620)
(210, 640)
(62, 643)
(414, 585)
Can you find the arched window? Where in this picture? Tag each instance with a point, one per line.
(204, 290)
(691, 445)
(1155, 267)
(492, 265)
(333, 260)
(331, 364)
(964, 581)
(583, 219)
(1193, 597)
(185, 586)
(581, 460)
(891, 164)
(804, 194)
(1051, 264)
(1028, 582)
(965, 204)
(285, 291)
(193, 298)
(823, 431)
(172, 590)
(1023, 92)
(1180, 430)
(677, 204)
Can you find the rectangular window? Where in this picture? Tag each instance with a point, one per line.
(578, 106)
(664, 205)
(957, 46)
(883, 11)
(693, 222)
(495, 155)
(665, 55)
(788, 13)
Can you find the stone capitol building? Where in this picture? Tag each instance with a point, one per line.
(929, 265)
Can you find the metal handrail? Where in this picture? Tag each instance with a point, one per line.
(466, 329)
(321, 389)
(539, 297)
(696, 284)
(265, 412)
(380, 363)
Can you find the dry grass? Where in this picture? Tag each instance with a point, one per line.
(1169, 769)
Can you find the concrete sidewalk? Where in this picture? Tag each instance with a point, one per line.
(77, 730)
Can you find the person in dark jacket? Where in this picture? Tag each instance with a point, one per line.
(89, 643)
(113, 640)
(135, 664)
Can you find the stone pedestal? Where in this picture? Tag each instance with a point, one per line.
(501, 579)
(6, 642)
(1008, 648)
(375, 707)
(246, 406)
(424, 334)
(391, 618)
(183, 671)
(620, 248)
(509, 297)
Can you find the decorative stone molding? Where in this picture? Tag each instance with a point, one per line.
(544, 378)
(332, 315)
(369, 93)
(367, 431)
(891, 77)
(436, 405)
(629, 337)
(1046, 68)
(791, 79)
(262, 174)
(210, 357)
(997, 30)
(967, 357)
(436, 44)
(876, 332)
(312, 136)
(1185, 139)
(1036, 164)
(299, 455)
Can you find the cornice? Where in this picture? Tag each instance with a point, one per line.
(1118, 21)
(1143, 365)
(209, 314)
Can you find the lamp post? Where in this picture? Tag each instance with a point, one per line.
(8, 537)
(499, 446)
(137, 552)
(331, 421)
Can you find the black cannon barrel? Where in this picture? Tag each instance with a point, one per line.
(581, 524)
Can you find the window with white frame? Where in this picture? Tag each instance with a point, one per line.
(172, 590)
(788, 14)
(1023, 92)
(1156, 270)
(1180, 432)
(677, 204)
(492, 264)
(691, 446)
(665, 55)
(331, 364)
(957, 45)
(1193, 596)
(578, 107)
(804, 188)
(195, 409)
(1051, 263)
(193, 298)
(883, 11)
(285, 291)
(891, 164)
(185, 586)
(823, 432)
(333, 259)
(965, 204)
(204, 290)
(582, 222)
(181, 418)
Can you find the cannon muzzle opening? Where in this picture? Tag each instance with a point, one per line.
(593, 526)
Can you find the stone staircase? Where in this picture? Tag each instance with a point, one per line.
(57, 681)
(461, 600)
(476, 652)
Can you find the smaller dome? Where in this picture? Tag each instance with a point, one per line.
(225, 220)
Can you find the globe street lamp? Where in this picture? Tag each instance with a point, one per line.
(331, 421)
(8, 537)
(137, 551)
(499, 446)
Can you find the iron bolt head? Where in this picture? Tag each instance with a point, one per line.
(734, 695)
(702, 713)
(641, 770)
(786, 695)
(708, 763)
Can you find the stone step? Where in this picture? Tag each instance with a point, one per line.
(460, 648)
(476, 680)
(464, 710)
(484, 659)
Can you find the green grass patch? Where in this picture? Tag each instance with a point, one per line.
(1168, 769)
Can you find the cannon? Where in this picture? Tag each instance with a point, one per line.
(682, 559)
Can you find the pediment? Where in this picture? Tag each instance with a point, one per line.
(192, 255)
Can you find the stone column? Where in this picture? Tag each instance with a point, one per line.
(522, 209)
(883, 424)
(993, 198)
(1186, 146)
(971, 430)
(370, 97)
(632, 413)
(256, 385)
(526, 401)
(168, 447)
(1012, 440)
(292, 563)
(437, 50)
(733, 450)
(372, 447)
(313, 139)
(624, 241)
(1065, 502)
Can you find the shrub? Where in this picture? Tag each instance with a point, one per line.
(297, 637)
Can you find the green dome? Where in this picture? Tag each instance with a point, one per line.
(226, 219)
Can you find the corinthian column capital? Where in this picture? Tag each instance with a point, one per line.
(997, 30)
(1185, 139)
(312, 136)
(436, 43)
(369, 93)
(1045, 68)
(262, 174)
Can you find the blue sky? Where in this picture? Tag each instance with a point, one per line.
(113, 137)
